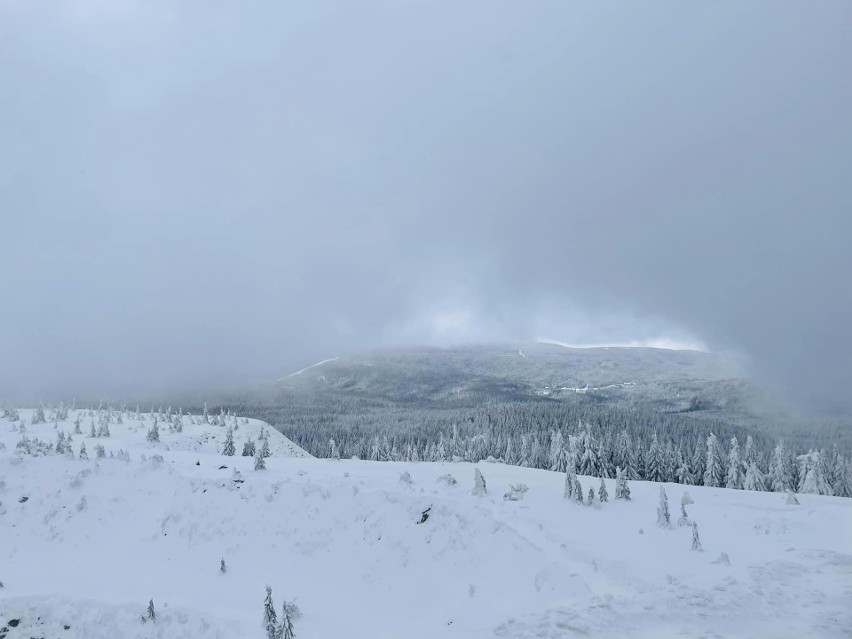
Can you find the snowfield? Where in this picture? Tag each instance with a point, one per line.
(85, 544)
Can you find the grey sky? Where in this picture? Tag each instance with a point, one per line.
(204, 192)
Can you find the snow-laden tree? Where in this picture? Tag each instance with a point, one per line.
(603, 495)
(249, 448)
(734, 478)
(270, 617)
(654, 461)
(479, 488)
(230, 450)
(713, 474)
(92, 432)
(578, 491)
(558, 454)
(83, 453)
(509, 455)
(780, 478)
(206, 415)
(285, 630)
(524, 457)
(791, 498)
(844, 482)
(684, 518)
(152, 615)
(663, 515)
(683, 474)
(696, 542)
(686, 498)
(591, 498)
(625, 455)
(333, 452)
(154, 433)
(813, 475)
(754, 478)
(259, 460)
(622, 490)
(589, 461)
(264, 447)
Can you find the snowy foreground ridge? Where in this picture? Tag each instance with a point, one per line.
(378, 550)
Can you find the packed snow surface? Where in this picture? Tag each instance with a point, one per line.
(85, 544)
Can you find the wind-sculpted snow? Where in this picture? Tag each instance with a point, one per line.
(96, 539)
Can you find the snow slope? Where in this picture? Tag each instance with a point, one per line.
(96, 539)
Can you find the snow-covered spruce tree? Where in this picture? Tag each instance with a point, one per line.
(60, 443)
(557, 445)
(603, 495)
(264, 448)
(663, 516)
(248, 448)
(813, 481)
(590, 463)
(509, 455)
(683, 474)
(684, 518)
(479, 488)
(152, 616)
(206, 414)
(38, 416)
(779, 476)
(270, 618)
(83, 453)
(259, 460)
(754, 478)
(734, 478)
(578, 491)
(92, 432)
(524, 457)
(696, 542)
(653, 461)
(844, 482)
(570, 483)
(333, 452)
(791, 498)
(154, 432)
(622, 490)
(229, 449)
(713, 468)
(591, 498)
(686, 498)
(285, 630)
(222, 567)
(77, 430)
(100, 453)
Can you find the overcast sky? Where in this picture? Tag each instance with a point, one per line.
(203, 192)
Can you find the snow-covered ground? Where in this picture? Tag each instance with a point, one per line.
(87, 543)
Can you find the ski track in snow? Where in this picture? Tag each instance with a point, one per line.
(306, 368)
(96, 539)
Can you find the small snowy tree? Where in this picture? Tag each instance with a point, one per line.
(791, 499)
(229, 449)
(603, 495)
(591, 498)
(151, 614)
(222, 567)
(206, 414)
(570, 483)
(578, 491)
(264, 448)
(684, 518)
(696, 542)
(100, 453)
(259, 461)
(83, 453)
(333, 453)
(663, 516)
(154, 433)
(270, 618)
(686, 499)
(249, 448)
(479, 488)
(622, 490)
(92, 432)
